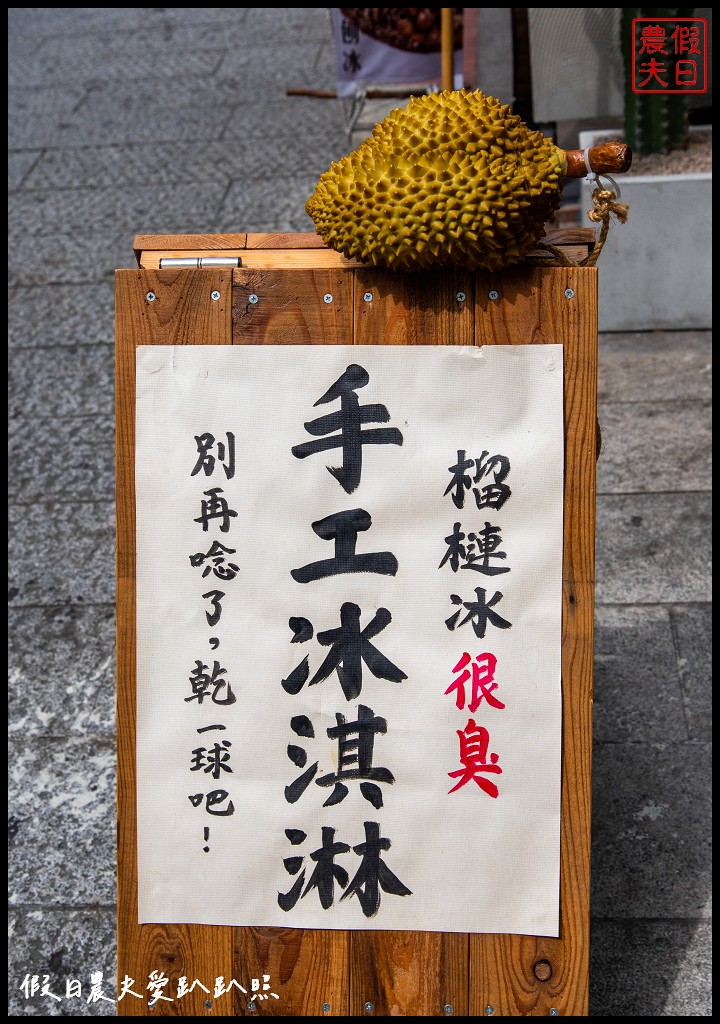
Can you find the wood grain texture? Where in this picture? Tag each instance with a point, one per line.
(555, 306)
(291, 307)
(284, 240)
(261, 259)
(307, 967)
(202, 243)
(408, 974)
(414, 309)
(182, 312)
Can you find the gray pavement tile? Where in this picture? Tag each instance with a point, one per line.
(262, 205)
(692, 625)
(654, 366)
(58, 257)
(61, 459)
(128, 123)
(652, 446)
(61, 805)
(20, 164)
(33, 132)
(651, 830)
(62, 381)
(650, 969)
(653, 548)
(61, 671)
(32, 102)
(286, 25)
(237, 29)
(298, 121)
(185, 92)
(61, 553)
(151, 209)
(67, 946)
(164, 164)
(637, 694)
(61, 315)
(309, 66)
(90, 59)
(132, 27)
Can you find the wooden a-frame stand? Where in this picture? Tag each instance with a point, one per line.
(272, 289)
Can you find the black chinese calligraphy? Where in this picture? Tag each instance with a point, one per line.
(356, 742)
(349, 422)
(215, 507)
(216, 555)
(225, 455)
(343, 528)
(350, 646)
(207, 682)
(372, 876)
(477, 552)
(479, 612)
(490, 495)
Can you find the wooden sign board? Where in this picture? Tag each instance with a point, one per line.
(277, 296)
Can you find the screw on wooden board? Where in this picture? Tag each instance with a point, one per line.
(367, 296)
(489, 1010)
(215, 296)
(326, 1007)
(493, 295)
(460, 296)
(253, 298)
(554, 1012)
(369, 1007)
(569, 293)
(327, 297)
(542, 969)
(208, 1004)
(150, 296)
(251, 1007)
(447, 1009)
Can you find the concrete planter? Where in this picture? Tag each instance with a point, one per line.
(654, 271)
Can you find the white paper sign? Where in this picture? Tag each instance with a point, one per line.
(349, 564)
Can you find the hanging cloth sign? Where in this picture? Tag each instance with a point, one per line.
(391, 46)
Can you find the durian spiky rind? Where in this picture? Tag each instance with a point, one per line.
(454, 179)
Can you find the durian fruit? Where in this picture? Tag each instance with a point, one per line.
(454, 179)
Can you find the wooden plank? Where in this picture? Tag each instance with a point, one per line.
(261, 259)
(399, 972)
(285, 240)
(414, 309)
(291, 307)
(309, 968)
(203, 243)
(313, 258)
(182, 312)
(200, 245)
(523, 975)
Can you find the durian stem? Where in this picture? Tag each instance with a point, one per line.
(608, 158)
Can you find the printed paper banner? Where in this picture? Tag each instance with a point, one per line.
(349, 564)
(390, 46)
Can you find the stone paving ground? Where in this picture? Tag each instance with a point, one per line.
(154, 120)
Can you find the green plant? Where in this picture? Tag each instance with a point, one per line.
(653, 123)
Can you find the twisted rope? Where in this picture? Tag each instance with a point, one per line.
(605, 204)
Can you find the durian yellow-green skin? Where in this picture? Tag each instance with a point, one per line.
(454, 179)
